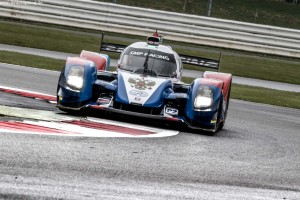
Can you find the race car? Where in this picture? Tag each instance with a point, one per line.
(147, 83)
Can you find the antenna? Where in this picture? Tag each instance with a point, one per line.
(220, 58)
(156, 34)
(102, 36)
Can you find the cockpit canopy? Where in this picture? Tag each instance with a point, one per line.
(157, 63)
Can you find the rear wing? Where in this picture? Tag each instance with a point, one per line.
(105, 46)
(191, 60)
(202, 62)
(116, 48)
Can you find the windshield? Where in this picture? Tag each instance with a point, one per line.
(158, 63)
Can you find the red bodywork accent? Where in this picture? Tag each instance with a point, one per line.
(99, 61)
(213, 82)
(76, 61)
(173, 119)
(97, 107)
(226, 78)
(156, 34)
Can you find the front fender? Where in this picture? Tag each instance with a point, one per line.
(71, 97)
(206, 118)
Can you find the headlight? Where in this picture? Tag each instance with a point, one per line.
(204, 98)
(75, 77)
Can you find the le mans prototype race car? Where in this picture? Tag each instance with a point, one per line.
(147, 83)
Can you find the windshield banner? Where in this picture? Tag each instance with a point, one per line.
(152, 54)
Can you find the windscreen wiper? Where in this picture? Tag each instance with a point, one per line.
(146, 69)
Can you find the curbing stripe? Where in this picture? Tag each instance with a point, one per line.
(30, 94)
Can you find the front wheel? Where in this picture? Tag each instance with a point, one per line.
(221, 125)
(66, 110)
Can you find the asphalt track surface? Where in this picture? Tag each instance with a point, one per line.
(256, 156)
(187, 73)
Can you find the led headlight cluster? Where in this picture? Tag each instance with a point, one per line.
(75, 77)
(204, 98)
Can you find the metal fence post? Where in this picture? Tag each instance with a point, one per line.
(184, 6)
(209, 6)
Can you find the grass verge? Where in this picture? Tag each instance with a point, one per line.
(242, 92)
(269, 96)
(236, 62)
(31, 60)
(262, 95)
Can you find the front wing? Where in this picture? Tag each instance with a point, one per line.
(105, 108)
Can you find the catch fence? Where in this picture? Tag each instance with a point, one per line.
(281, 13)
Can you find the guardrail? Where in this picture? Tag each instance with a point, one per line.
(138, 21)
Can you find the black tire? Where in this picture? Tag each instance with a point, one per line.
(69, 111)
(227, 105)
(221, 124)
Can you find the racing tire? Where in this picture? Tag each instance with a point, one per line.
(69, 111)
(221, 125)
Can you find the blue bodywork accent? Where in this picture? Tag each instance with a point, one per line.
(155, 100)
(107, 57)
(158, 97)
(170, 95)
(111, 86)
(121, 95)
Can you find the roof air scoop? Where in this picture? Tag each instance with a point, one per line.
(155, 39)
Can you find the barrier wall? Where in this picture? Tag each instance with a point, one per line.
(138, 21)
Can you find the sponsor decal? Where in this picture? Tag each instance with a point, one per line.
(137, 82)
(141, 83)
(138, 93)
(213, 121)
(151, 55)
(172, 111)
(137, 99)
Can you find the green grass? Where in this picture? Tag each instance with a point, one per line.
(262, 68)
(269, 96)
(31, 61)
(262, 95)
(238, 63)
(247, 93)
(251, 66)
